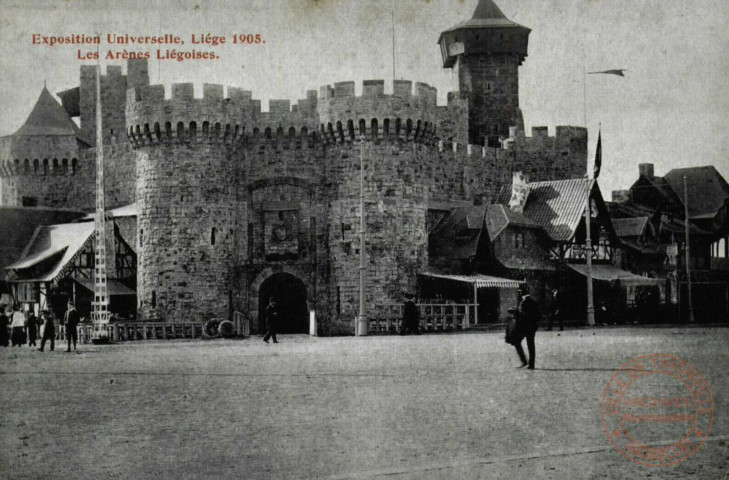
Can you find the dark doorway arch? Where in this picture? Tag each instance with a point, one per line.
(291, 295)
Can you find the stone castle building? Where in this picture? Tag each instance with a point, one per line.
(235, 204)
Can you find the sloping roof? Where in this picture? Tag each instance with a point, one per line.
(48, 117)
(113, 287)
(498, 217)
(707, 189)
(556, 205)
(630, 227)
(18, 225)
(131, 210)
(610, 272)
(457, 235)
(64, 240)
(479, 280)
(486, 15)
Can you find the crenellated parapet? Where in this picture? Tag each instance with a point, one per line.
(406, 114)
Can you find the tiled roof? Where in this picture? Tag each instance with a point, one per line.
(64, 240)
(498, 217)
(630, 227)
(707, 189)
(487, 14)
(557, 205)
(48, 117)
(457, 235)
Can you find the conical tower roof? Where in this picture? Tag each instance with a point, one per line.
(48, 118)
(487, 15)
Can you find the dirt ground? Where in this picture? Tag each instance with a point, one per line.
(426, 407)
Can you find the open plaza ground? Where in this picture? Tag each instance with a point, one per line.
(426, 407)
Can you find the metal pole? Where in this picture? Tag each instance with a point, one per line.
(688, 249)
(588, 254)
(362, 324)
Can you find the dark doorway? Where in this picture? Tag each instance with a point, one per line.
(291, 295)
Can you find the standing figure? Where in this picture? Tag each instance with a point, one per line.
(4, 325)
(556, 310)
(32, 325)
(71, 320)
(272, 320)
(17, 325)
(410, 317)
(527, 321)
(49, 330)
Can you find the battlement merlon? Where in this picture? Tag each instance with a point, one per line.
(148, 104)
(338, 103)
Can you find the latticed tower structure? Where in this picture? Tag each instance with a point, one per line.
(100, 304)
(486, 52)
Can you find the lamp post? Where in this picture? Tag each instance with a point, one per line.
(688, 256)
(588, 255)
(362, 324)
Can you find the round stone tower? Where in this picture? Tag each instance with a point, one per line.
(486, 52)
(186, 199)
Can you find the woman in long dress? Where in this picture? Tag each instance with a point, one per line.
(17, 326)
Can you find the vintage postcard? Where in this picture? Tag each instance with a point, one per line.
(422, 239)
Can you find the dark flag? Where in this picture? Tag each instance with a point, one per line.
(598, 155)
(618, 72)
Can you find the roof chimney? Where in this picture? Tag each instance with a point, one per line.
(646, 169)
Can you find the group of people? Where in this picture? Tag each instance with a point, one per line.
(17, 328)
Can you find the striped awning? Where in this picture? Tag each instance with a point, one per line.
(479, 280)
(609, 273)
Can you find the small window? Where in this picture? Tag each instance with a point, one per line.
(141, 237)
(519, 240)
(30, 201)
(212, 236)
(280, 215)
(154, 299)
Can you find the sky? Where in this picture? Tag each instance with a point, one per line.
(671, 109)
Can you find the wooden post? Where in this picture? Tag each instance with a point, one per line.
(475, 304)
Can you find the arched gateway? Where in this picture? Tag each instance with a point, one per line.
(291, 295)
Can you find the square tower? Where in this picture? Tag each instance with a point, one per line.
(486, 52)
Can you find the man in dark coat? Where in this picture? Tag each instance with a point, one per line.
(32, 325)
(527, 320)
(4, 326)
(556, 310)
(410, 317)
(272, 320)
(49, 330)
(71, 320)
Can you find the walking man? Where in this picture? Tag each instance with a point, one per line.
(410, 317)
(527, 322)
(71, 319)
(272, 320)
(32, 324)
(49, 330)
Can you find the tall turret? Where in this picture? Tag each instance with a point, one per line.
(486, 52)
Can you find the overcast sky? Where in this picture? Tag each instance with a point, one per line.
(672, 109)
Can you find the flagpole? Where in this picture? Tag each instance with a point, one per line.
(584, 95)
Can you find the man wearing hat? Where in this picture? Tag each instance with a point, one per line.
(528, 317)
(410, 317)
(272, 320)
(71, 320)
(4, 326)
(49, 330)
